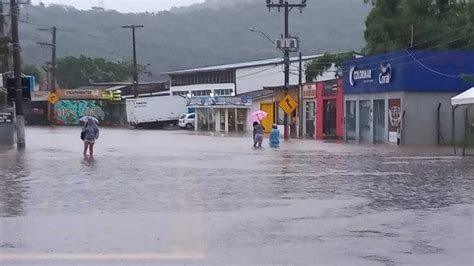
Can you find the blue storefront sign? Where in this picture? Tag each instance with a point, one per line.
(409, 70)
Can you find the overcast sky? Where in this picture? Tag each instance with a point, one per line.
(124, 5)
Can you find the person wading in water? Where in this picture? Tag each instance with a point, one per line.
(89, 134)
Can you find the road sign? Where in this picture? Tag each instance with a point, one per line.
(26, 87)
(288, 104)
(53, 98)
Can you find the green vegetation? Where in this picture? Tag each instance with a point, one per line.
(73, 72)
(317, 67)
(440, 24)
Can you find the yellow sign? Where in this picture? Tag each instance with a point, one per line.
(112, 95)
(53, 98)
(288, 104)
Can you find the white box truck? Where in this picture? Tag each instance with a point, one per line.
(155, 112)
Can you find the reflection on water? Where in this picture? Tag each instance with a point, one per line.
(146, 170)
(217, 197)
(14, 183)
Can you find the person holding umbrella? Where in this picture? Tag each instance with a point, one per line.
(258, 129)
(257, 134)
(89, 134)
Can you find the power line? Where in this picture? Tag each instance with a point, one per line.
(369, 65)
(258, 72)
(423, 59)
(435, 71)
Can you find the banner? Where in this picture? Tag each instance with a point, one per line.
(394, 119)
(79, 94)
(309, 91)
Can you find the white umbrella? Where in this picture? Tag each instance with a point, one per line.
(86, 118)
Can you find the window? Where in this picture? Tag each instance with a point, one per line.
(224, 92)
(202, 93)
(180, 93)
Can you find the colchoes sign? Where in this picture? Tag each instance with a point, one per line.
(366, 75)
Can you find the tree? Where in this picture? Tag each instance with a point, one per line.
(73, 72)
(468, 78)
(440, 24)
(318, 66)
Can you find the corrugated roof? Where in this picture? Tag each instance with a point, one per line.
(242, 65)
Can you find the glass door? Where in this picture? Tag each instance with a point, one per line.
(351, 129)
(222, 120)
(241, 117)
(365, 121)
(310, 117)
(379, 121)
(232, 120)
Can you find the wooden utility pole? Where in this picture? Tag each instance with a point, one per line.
(300, 97)
(52, 71)
(287, 7)
(20, 116)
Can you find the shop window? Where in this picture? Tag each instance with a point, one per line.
(241, 118)
(223, 92)
(281, 116)
(330, 89)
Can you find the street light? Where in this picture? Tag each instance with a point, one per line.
(266, 36)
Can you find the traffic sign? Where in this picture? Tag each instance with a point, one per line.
(26, 87)
(288, 104)
(53, 98)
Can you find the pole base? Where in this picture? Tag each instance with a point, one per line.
(20, 132)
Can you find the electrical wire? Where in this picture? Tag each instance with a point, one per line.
(258, 72)
(435, 71)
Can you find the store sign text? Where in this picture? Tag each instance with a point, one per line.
(363, 74)
(385, 76)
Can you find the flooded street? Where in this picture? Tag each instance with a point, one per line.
(155, 197)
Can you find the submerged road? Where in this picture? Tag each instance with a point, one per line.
(165, 197)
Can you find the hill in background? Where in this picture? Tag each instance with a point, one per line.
(215, 32)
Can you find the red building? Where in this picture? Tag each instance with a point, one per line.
(329, 109)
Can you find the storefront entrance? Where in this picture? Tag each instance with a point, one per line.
(330, 118)
(310, 119)
(379, 121)
(351, 126)
(365, 121)
(232, 119)
(268, 121)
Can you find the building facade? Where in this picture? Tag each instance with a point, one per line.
(404, 97)
(234, 79)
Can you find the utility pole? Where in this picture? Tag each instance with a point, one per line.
(20, 116)
(4, 59)
(287, 7)
(52, 72)
(300, 96)
(135, 70)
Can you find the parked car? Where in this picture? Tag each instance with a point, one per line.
(187, 121)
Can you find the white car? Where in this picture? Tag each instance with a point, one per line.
(187, 121)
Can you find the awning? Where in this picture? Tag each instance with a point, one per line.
(464, 98)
